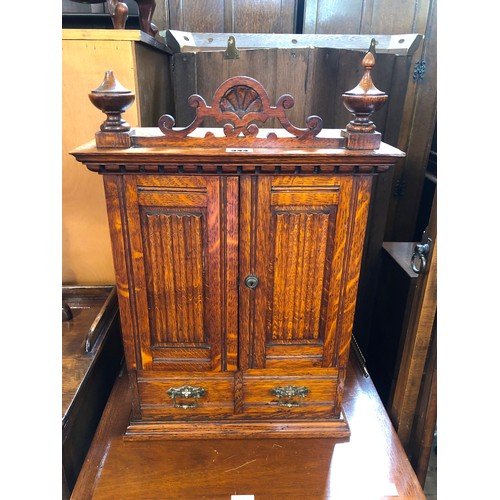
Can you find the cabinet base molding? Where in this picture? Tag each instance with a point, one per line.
(239, 429)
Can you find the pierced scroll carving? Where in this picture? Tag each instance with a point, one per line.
(240, 102)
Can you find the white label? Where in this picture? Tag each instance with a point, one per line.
(239, 150)
(242, 497)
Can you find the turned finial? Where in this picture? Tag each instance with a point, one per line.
(364, 99)
(113, 99)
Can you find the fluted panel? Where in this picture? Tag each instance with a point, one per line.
(174, 268)
(299, 268)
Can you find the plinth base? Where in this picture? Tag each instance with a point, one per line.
(239, 429)
(357, 140)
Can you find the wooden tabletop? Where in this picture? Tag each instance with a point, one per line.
(371, 465)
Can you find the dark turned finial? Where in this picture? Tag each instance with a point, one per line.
(113, 99)
(364, 100)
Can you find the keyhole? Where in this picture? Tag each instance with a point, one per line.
(251, 281)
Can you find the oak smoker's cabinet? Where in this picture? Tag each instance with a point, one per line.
(237, 253)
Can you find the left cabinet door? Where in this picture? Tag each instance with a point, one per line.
(179, 245)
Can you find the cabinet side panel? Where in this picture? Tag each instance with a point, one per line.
(361, 202)
(117, 226)
(357, 230)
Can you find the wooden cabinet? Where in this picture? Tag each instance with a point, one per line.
(243, 273)
(237, 254)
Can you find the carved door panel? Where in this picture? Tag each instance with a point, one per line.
(177, 248)
(303, 243)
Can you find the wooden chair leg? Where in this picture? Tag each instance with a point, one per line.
(146, 9)
(119, 13)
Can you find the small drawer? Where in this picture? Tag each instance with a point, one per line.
(273, 393)
(200, 395)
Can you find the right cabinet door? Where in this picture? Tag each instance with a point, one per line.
(302, 238)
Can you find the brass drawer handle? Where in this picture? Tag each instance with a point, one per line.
(186, 392)
(287, 394)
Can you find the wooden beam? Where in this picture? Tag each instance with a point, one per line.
(185, 41)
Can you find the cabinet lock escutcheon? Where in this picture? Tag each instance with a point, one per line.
(251, 281)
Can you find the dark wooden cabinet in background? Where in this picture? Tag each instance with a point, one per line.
(237, 254)
(92, 356)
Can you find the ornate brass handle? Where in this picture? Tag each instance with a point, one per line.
(186, 392)
(287, 394)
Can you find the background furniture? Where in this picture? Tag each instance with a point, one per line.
(142, 62)
(78, 15)
(402, 354)
(394, 301)
(92, 355)
(118, 11)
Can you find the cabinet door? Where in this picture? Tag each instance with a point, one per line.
(303, 241)
(183, 236)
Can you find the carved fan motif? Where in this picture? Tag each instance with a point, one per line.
(241, 100)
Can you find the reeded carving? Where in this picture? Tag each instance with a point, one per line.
(241, 101)
(175, 298)
(299, 276)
